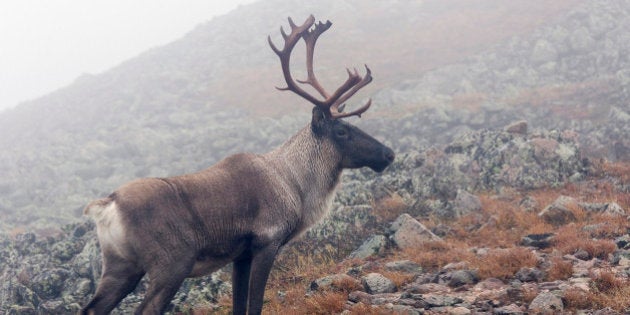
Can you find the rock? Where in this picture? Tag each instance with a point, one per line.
(540, 241)
(529, 274)
(560, 212)
(373, 246)
(511, 309)
(58, 307)
(462, 277)
(334, 282)
(375, 283)
(360, 296)
(406, 266)
(408, 232)
(606, 311)
(582, 254)
(517, 127)
(442, 300)
(528, 203)
(611, 208)
(405, 309)
(546, 303)
(423, 288)
(623, 242)
(465, 203)
(21, 310)
(49, 282)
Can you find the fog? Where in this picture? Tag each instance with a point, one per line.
(494, 109)
(45, 45)
(207, 88)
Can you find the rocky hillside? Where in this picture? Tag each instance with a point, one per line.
(493, 240)
(181, 107)
(506, 117)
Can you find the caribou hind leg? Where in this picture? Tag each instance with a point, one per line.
(119, 279)
(164, 281)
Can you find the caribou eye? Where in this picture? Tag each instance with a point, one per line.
(341, 132)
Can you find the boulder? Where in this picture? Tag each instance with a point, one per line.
(560, 212)
(375, 283)
(407, 232)
(546, 303)
(373, 246)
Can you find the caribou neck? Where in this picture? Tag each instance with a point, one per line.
(312, 167)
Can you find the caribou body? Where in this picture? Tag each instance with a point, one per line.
(241, 210)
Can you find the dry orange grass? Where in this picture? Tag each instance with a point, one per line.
(436, 254)
(560, 269)
(501, 223)
(400, 279)
(503, 263)
(609, 290)
(325, 303)
(389, 208)
(571, 238)
(577, 299)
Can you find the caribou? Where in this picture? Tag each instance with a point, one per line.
(242, 210)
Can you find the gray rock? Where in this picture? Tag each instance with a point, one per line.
(408, 232)
(546, 303)
(609, 208)
(49, 283)
(375, 245)
(375, 283)
(540, 241)
(407, 266)
(623, 242)
(465, 203)
(511, 309)
(526, 274)
(559, 212)
(442, 300)
(462, 277)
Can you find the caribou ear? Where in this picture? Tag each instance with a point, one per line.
(318, 121)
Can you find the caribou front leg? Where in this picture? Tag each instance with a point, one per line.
(261, 266)
(240, 284)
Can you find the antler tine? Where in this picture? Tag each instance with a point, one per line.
(310, 37)
(357, 112)
(331, 103)
(367, 78)
(285, 56)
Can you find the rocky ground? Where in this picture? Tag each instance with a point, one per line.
(499, 222)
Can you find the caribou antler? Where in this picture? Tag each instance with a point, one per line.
(332, 104)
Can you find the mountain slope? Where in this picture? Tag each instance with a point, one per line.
(181, 107)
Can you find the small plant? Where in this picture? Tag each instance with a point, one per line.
(560, 269)
(577, 299)
(435, 254)
(571, 238)
(325, 303)
(607, 282)
(504, 263)
(390, 207)
(608, 290)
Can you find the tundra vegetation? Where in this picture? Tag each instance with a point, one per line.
(511, 177)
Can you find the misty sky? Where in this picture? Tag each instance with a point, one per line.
(45, 45)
